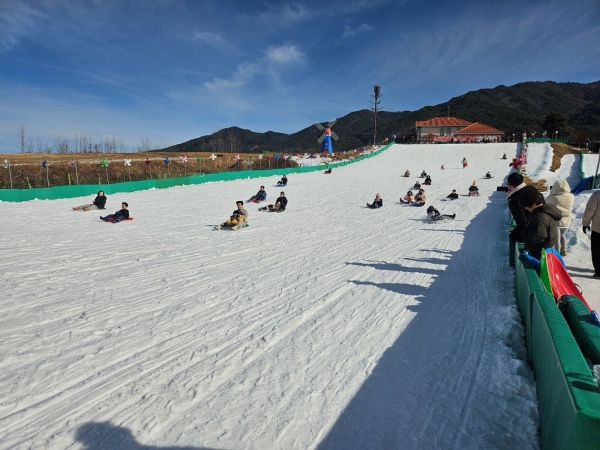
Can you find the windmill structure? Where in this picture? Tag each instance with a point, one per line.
(325, 139)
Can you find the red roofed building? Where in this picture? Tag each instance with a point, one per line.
(455, 127)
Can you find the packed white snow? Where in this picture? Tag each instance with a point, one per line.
(327, 326)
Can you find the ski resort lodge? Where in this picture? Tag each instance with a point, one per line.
(454, 129)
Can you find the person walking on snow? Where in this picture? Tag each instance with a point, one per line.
(561, 197)
(592, 216)
(465, 164)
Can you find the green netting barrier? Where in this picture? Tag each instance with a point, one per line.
(568, 395)
(585, 331)
(82, 190)
(527, 282)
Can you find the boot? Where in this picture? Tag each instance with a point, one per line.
(563, 251)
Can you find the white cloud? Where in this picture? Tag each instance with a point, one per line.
(16, 21)
(285, 54)
(353, 31)
(213, 40)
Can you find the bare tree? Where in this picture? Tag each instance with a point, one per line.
(122, 146)
(62, 145)
(232, 142)
(21, 137)
(110, 144)
(38, 145)
(29, 145)
(144, 145)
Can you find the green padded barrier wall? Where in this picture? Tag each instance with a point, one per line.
(82, 190)
(527, 282)
(585, 331)
(568, 395)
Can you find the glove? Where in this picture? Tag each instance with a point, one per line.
(585, 229)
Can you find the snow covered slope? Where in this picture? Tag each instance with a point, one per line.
(327, 326)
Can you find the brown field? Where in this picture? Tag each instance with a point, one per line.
(27, 168)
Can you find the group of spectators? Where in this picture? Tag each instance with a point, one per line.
(542, 223)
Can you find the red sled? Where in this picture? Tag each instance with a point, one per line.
(113, 220)
(561, 281)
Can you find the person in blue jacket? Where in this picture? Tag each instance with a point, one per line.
(260, 196)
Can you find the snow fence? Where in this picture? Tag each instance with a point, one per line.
(568, 395)
(83, 190)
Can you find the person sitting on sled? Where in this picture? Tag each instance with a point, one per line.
(423, 174)
(406, 174)
(453, 195)
(283, 181)
(260, 196)
(377, 203)
(238, 219)
(98, 203)
(504, 156)
(408, 198)
(328, 171)
(279, 205)
(434, 214)
(443, 168)
(420, 197)
(473, 189)
(488, 175)
(417, 185)
(427, 180)
(121, 214)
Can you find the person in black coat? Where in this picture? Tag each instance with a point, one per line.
(283, 181)
(121, 214)
(280, 204)
(516, 187)
(377, 203)
(98, 203)
(542, 229)
(453, 195)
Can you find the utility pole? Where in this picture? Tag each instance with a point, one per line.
(375, 107)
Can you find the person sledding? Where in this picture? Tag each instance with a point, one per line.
(417, 185)
(464, 163)
(121, 214)
(260, 196)
(420, 198)
(279, 206)
(423, 174)
(488, 175)
(427, 181)
(328, 171)
(409, 198)
(453, 195)
(473, 189)
(434, 214)
(377, 203)
(283, 181)
(238, 219)
(406, 174)
(504, 156)
(98, 203)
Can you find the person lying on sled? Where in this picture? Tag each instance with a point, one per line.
(434, 214)
(453, 195)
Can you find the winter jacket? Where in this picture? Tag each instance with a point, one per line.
(100, 202)
(473, 188)
(261, 195)
(542, 230)
(282, 202)
(561, 197)
(122, 214)
(240, 214)
(420, 198)
(520, 215)
(452, 196)
(417, 185)
(592, 213)
(408, 199)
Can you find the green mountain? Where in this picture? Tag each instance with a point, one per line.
(513, 109)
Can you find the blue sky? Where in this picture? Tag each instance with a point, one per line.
(168, 71)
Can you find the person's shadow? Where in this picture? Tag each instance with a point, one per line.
(105, 436)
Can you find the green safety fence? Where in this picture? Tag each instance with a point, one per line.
(585, 331)
(542, 140)
(569, 398)
(82, 190)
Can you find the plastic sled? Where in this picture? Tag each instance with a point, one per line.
(111, 220)
(561, 281)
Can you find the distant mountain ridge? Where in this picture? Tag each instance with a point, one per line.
(513, 109)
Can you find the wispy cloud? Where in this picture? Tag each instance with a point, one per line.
(350, 32)
(285, 55)
(213, 39)
(16, 20)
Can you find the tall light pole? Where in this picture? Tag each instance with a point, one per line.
(376, 106)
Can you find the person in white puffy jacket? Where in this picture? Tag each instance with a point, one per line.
(592, 215)
(561, 197)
